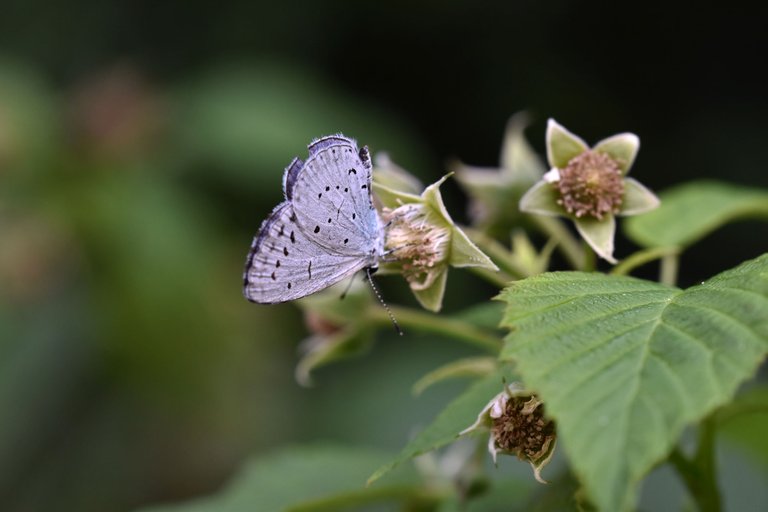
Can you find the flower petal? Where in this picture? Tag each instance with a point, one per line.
(562, 145)
(539, 464)
(622, 148)
(431, 298)
(388, 173)
(464, 253)
(391, 198)
(637, 198)
(432, 197)
(541, 199)
(598, 234)
(517, 156)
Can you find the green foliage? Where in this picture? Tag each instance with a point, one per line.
(624, 364)
(305, 479)
(123, 334)
(691, 211)
(457, 416)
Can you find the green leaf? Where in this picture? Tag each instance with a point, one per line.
(690, 212)
(486, 315)
(623, 365)
(316, 478)
(458, 415)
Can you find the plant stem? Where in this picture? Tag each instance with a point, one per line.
(706, 461)
(668, 272)
(427, 322)
(640, 258)
(500, 279)
(568, 245)
(590, 258)
(500, 255)
(698, 473)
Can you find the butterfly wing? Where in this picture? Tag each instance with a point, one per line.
(285, 264)
(331, 196)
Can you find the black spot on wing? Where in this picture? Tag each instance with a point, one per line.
(263, 234)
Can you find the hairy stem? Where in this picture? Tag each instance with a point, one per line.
(499, 279)
(640, 258)
(669, 266)
(500, 255)
(410, 318)
(568, 245)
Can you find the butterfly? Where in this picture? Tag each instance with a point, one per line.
(326, 229)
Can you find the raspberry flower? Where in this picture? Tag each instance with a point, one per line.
(423, 241)
(589, 185)
(518, 426)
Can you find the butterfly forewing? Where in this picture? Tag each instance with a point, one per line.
(332, 199)
(285, 264)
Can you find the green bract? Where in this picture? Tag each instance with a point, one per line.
(423, 241)
(589, 185)
(492, 190)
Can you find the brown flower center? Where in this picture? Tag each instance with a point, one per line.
(416, 242)
(591, 184)
(523, 430)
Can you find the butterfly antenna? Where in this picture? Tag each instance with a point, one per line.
(381, 300)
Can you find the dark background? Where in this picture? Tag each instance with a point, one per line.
(142, 143)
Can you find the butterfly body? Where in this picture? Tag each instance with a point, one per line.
(326, 229)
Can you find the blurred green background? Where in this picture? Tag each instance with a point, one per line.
(142, 143)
